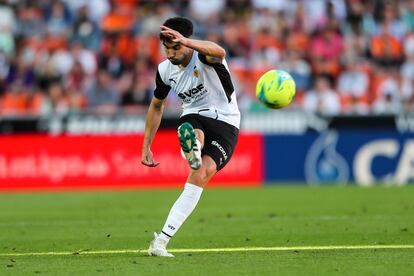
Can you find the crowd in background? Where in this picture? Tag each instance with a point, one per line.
(72, 56)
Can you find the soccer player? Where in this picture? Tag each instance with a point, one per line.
(209, 124)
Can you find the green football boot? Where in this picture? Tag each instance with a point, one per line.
(189, 145)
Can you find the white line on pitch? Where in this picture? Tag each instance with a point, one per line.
(201, 250)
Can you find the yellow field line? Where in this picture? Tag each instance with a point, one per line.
(293, 248)
(201, 250)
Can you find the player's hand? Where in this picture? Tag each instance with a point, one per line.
(172, 34)
(147, 159)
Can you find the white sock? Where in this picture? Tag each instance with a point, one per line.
(181, 209)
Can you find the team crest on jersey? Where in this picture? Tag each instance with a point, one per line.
(196, 73)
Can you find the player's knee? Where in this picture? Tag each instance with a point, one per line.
(202, 176)
(210, 172)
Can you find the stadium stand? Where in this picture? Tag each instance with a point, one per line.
(99, 56)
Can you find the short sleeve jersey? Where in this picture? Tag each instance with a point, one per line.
(204, 88)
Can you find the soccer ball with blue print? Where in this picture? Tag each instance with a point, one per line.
(276, 89)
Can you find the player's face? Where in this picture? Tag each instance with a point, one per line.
(176, 53)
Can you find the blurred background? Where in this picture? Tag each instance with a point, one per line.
(72, 69)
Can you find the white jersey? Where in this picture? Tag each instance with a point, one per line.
(205, 88)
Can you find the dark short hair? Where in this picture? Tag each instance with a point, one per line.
(182, 25)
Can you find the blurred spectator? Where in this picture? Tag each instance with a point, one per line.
(408, 16)
(118, 52)
(389, 21)
(46, 72)
(386, 49)
(353, 85)
(153, 17)
(322, 99)
(14, 102)
(62, 61)
(266, 51)
(386, 43)
(234, 42)
(137, 96)
(296, 37)
(202, 9)
(57, 102)
(388, 92)
(58, 19)
(137, 93)
(76, 101)
(326, 49)
(318, 12)
(8, 22)
(101, 97)
(18, 102)
(119, 18)
(85, 57)
(21, 73)
(7, 43)
(97, 9)
(30, 20)
(353, 80)
(387, 103)
(334, 14)
(86, 31)
(148, 47)
(111, 61)
(299, 69)
(77, 78)
(370, 12)
(263, 19)
(355, 16)
(356, 43)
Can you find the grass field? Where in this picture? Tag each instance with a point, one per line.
(268, 231)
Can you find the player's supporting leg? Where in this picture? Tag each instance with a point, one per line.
(179, 212)
(184, 205)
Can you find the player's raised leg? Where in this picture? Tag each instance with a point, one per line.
(190, 144)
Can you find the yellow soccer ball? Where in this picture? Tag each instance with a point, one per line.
(276, 89)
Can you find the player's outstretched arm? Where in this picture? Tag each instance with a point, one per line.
(152, 123)
(207, 48)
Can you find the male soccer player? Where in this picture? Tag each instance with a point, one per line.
(209, 125)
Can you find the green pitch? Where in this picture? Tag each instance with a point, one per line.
(268, 231)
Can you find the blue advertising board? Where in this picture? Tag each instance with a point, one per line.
(362, 156)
